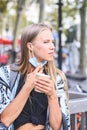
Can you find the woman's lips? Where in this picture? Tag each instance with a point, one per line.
(51, 53)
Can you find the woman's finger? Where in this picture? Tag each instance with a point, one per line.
(39, 68)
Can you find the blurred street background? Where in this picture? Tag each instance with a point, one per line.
(69, 21)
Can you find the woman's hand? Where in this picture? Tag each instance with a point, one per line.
(30, 79)
(45, 85)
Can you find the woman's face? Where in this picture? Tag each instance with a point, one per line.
(43, 46)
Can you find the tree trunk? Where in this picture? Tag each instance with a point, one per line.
(83, 54)
(41, 10)
(20, 6)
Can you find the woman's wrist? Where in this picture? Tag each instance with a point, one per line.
(52, 96)
(27, 89)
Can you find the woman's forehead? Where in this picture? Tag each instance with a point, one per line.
(46, 33)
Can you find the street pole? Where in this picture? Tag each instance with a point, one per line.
(59, 33)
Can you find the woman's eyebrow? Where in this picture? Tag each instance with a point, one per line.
(49, 40)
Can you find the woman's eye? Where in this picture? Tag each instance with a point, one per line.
(46, 42)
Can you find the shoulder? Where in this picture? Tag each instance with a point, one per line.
(5, 68)
(5, 73)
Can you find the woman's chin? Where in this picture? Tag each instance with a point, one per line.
(50, 60)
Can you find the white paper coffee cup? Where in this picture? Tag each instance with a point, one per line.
(41, 75)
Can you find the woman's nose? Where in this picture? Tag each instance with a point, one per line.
(52, 46)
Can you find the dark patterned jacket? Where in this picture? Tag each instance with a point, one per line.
(8, 87)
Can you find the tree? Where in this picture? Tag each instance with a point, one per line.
(20, 6)
(41, 10)
(81, 6)
(83, 50)
(3, 7)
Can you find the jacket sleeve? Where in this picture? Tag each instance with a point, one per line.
(63, 100)
(8, 85)
(5, 93)
(5, 96)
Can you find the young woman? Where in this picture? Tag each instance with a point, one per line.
(34, 97)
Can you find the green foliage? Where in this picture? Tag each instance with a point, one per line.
(3, 5)
(70, 9)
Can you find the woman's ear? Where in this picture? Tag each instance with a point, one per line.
(30, 46)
